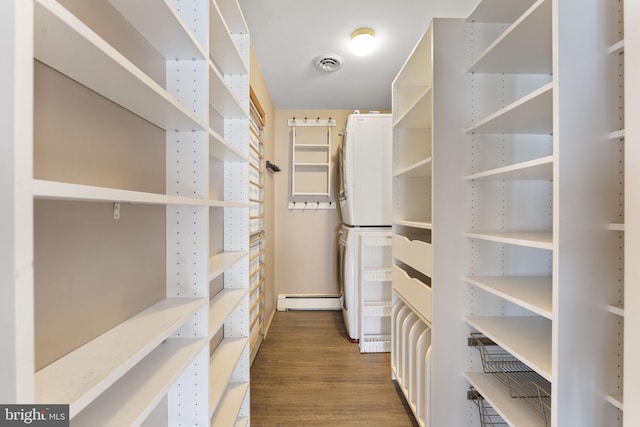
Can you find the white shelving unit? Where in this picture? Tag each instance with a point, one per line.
(374, 292)
(414, 273)
(134, 190)
(520, 231)
(413, 268)
(529, 222)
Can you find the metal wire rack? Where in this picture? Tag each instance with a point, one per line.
(488, 416)
(522, 381)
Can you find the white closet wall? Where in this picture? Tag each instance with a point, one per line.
(138, 174)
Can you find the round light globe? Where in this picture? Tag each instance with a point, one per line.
(363, 41)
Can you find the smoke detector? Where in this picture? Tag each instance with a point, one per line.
(328, 63)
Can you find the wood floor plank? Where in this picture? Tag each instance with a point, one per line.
(308, 374)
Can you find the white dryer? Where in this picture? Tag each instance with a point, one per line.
(365, 170)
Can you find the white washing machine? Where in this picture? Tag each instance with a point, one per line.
(348, 262)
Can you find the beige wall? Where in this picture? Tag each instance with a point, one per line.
(306, 240)
(260, 88)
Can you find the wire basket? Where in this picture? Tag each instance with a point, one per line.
(522, 381)
(488, 416)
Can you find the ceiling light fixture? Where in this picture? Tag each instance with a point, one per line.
(363, 41)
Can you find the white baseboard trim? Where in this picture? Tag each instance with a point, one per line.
(308, 302)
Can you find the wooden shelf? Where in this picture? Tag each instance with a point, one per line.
(531, 292)
(82, 375)
(526, 337)
(222, 305)
(514, 411)
(532, 170)
(524, 48)
(531, 114)
(224, 53)
(421, 169)
(220, 262)
(499, 11)
(131, 399)
(162, 27)
(540, 240)
(229, 407)
(223, 363)
(418, 115)
(64, 43)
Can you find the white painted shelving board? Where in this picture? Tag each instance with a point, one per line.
(64, 191)
(233, 16)
(222, 49)
(414, 224)
(79, 377)
(223, 362)
(499, 11)
(162, 27)
(524, 48)
(540, 240)
(64, 43)
(220, 149)
(526, 337)
(514, 411)
(533, 170)
(420, 169)
(230, 406)
(220, 262)
(132, 398)
(531, 114)
(222, 305)
(531, 292)
(418, 115)
(222, 99)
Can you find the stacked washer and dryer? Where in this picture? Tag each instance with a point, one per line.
(365, 235)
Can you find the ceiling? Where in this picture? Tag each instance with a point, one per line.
(288, 34)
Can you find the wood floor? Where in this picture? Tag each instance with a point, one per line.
(308, 374)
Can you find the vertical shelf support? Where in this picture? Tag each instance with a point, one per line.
(16, 217)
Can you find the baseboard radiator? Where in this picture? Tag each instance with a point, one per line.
(308, 302)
